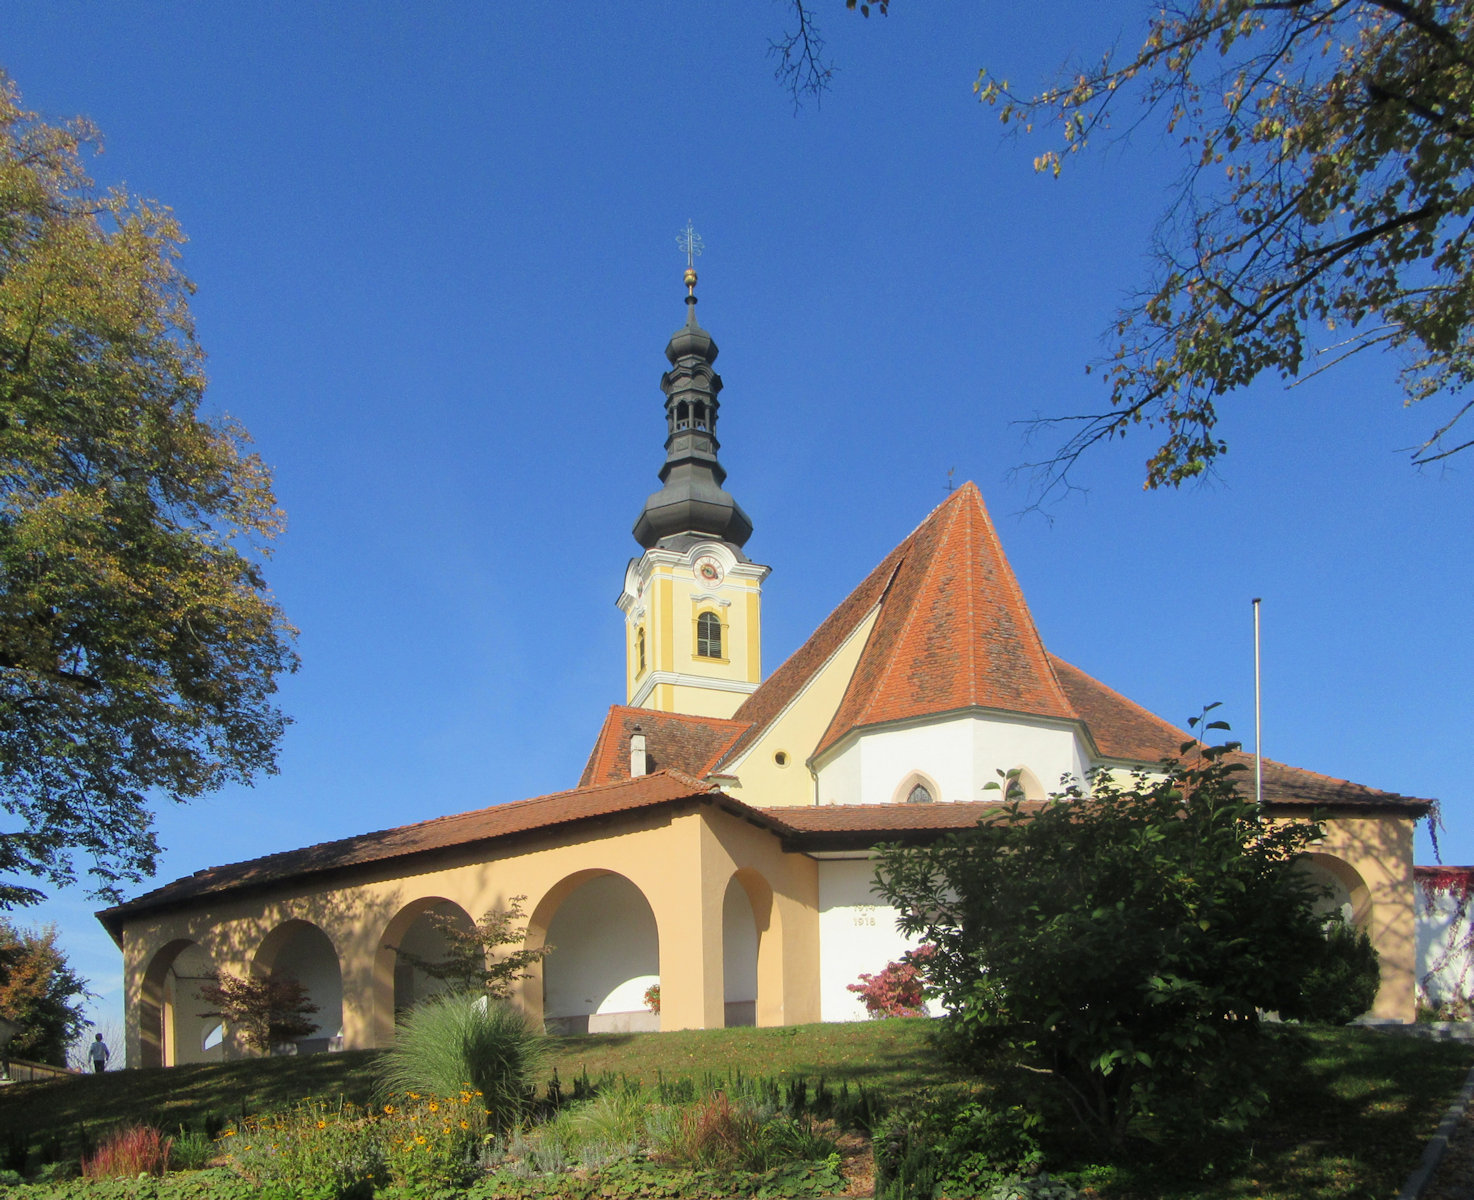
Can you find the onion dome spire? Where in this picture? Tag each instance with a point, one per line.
(691, 505)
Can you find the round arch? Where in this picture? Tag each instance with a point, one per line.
(1346, 893)
(398, 983)
(605, 954)
(301, 950)
(171, 1028)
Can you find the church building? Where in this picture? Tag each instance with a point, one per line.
(719, 841)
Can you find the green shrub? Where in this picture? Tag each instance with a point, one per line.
(457, 1040)
(1124, 936)
(945, 1141)
(1342, 981)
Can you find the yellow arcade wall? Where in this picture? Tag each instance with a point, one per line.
(681, 861)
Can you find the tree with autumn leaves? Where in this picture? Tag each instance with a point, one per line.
(40, 994)
(1324, 211)
(139, 644)
(266, 1011)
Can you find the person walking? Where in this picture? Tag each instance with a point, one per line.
(98, 1054)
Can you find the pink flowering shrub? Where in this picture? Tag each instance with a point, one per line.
(896, 991)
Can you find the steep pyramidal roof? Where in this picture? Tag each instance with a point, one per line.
(953, 632)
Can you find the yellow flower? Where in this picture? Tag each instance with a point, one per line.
(434, 1107)
(388, 1110)
(322, 1124)
(465, 1124)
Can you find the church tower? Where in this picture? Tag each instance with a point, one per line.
(692, 601)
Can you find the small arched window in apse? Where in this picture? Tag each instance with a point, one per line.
(919, 794)
(708, 636)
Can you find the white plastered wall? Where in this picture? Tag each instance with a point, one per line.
(1445, 964)
(857, 935)
(961, 755)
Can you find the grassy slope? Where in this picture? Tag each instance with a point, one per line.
(888, 1056)
(1352, 1108)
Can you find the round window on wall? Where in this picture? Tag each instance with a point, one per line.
(781, 758)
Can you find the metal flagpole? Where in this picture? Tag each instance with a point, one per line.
(1258, 724)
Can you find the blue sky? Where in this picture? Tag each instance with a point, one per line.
(436, 259)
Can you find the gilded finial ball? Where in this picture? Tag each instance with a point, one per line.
(690, 277)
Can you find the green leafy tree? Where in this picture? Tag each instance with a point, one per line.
(1326, 209)
(40, 993)
(265, 1011)
(139, 644)
(1124, 939)
(478, 959)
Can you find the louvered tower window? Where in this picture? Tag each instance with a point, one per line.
(708, 636)
(640, 652)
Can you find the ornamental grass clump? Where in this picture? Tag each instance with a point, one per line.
(461, 1041)
(713, 1132)
(129, 1153)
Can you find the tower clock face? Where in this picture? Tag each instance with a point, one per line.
(709, 570)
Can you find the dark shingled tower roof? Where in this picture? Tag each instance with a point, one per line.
(691, 505)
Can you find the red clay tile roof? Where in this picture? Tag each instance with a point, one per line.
(672, 741)
(1296, 788)
(1120, 727)
(954, 631)
(479, 825)
(1124, 730)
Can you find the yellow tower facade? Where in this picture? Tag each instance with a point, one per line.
(693, 629)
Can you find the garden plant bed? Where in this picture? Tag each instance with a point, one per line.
(1350, 1111)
